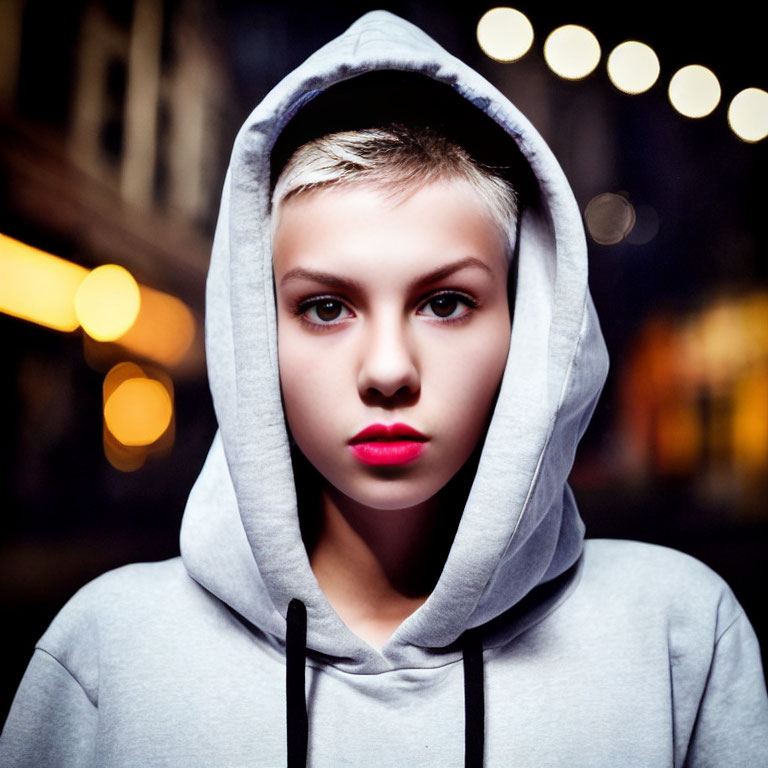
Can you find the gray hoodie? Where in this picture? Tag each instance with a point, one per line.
(597, 653)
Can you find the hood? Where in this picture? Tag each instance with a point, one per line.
(520, 528)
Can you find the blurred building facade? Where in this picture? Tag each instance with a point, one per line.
(116, 120)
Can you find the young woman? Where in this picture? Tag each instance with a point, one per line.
(382, 563)
(391, 252)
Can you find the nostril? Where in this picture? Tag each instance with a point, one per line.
(390, 383)
(401, 397)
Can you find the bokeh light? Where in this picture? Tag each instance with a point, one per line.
(137, 409)
(107, 302)
(504, 34)
(123, 457)
(695, 392)
(163, 331)
(37, 286)
(609, 218)
(694, 91)
(572, 52)
(646, 225)
(633, 67)
(748, 114)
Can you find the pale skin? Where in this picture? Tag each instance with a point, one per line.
(390, 311)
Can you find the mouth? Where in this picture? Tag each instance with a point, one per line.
(388, 445)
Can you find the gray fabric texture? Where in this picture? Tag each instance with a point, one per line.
(597, 653)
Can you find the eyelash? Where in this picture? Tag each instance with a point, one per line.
(469, 302)
(305, 306)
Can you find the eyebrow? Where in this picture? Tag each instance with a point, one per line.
(346, 284)
(327, 278)
(456, 266)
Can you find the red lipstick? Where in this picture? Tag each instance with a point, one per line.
(387, 445)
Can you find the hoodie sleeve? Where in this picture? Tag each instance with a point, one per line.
(52, 721)
(732, 723)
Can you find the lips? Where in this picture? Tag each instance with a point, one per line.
(387, 445)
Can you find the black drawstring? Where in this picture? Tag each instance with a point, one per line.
(295, 697)
(296, 701)
(474, 699)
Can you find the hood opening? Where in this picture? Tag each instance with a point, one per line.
(381, 98)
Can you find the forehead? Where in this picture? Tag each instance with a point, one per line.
(365, 229)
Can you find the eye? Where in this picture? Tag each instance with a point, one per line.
(324, 311)
(448, 306)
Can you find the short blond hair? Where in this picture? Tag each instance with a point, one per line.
(399, 160)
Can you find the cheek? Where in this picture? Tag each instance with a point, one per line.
(483, 367)
(478, 365)
(309, 381)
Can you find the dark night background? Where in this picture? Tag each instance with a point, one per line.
(678, 449)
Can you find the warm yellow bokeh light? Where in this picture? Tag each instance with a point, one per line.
(138, 411)
(694, 91)
(138, 417)
(126, 458)
(107, 302)
(572, 52)
(163, 331)
(748, 114)
(37, 286)
(750, 420)
(633, 67)
(504, 34)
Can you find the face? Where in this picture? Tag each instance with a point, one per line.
(393, 333)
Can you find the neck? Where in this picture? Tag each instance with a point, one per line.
(376, 566)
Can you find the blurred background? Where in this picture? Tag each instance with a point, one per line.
(116, 121)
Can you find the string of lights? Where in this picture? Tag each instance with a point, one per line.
(573, 52)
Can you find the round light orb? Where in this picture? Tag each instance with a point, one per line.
(572, 52)
(748, 114)
(609, 218)
(504, 34)
(633, 67)
(138, 411)
(694, 91)
(107, 302)
(646, 227)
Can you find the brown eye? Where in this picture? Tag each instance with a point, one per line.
(444, 306)
(448, 306)
(328, 310)
(324, 311)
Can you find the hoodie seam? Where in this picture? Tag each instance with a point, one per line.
(319, 666)
(89, 696)
(739, 615)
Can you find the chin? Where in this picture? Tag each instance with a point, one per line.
(389, 493)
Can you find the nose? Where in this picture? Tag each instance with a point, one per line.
(388, 367)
